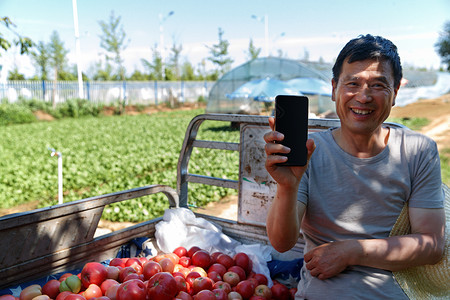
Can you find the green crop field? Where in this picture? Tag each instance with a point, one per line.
(103, 155)
(109, 154)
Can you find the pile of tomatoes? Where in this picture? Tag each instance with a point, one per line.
(192, 274)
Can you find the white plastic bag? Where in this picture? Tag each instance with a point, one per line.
(180, 227)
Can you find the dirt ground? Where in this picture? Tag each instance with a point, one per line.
(437, 110)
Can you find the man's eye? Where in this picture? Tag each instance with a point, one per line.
(378, 85)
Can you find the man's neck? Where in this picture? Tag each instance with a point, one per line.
(362, 145)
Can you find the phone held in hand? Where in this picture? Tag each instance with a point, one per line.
(291, 119)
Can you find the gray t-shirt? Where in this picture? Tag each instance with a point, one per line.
(353, 198)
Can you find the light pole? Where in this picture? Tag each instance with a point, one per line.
(265, 20)
(60, 174)
(161, 38)
(77, 49)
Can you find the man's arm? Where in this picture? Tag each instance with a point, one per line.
(425, 245)
(284, 219)
(285, 213)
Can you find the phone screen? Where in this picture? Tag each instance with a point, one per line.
(291, 119)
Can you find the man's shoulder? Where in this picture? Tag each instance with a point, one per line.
(412, 140)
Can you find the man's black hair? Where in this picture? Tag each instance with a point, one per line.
(369, 47)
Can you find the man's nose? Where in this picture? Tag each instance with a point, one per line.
(364, 94)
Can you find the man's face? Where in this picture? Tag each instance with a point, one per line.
(364, 95)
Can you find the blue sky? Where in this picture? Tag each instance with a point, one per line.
(318, 27)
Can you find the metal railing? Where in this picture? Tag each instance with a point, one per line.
(107, 92)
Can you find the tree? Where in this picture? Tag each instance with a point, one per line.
(25, 43)
(253, 52)
(15, 75)
(102, 74)
(113, 41)
(443, 45)
(41, 56)
(187, 71)
(155, 67)
(174, 62)
(57, 55)
(219, 54)
(138, 76)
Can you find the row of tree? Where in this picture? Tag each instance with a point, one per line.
(51, 63)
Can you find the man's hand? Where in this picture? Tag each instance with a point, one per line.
(287, 176)
(329, 259)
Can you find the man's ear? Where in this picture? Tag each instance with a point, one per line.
(395, 95)
(334, 84)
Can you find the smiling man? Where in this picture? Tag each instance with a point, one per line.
(358, 178)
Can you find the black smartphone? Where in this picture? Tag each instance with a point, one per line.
(291, 119)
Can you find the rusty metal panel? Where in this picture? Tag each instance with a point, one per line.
(256, 186)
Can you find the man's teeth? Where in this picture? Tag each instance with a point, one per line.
(361, 112)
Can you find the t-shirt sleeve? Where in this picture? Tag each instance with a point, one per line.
(302, 194)
(426, 183)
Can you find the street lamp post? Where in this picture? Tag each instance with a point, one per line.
(77, 49)
(265, 20)
(161, 38)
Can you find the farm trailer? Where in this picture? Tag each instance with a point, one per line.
(62, 237)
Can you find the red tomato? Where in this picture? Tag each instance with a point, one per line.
(51, 288)
(93, 272)
(293, 291)
(107, 284)
(74, 297)
(202, 283)
(117, 262)
(263, 291)
(220, 294)
(262, 279)
(255, 297)
(214, 256)
(180, 251)
(162, 286)
(234, 296)
(125, 272)
(173, 257)
(113, 272)
(225, 260)
(185, 261)
(245, 288)
(201, 258)
(135, 263)
(280, 292)
(92, 291)
(150, 269)
(238, 270)
(205, 295)
(190, 277)
(183, 296)
(223, 286)
(214, 276)
(232, 278)
(167, 265)
(133, 289)
(111, 292)
(242, 260)
(182, 285)
(218, 268)
(192, 250)
(63, 295)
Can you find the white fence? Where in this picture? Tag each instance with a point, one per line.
(107, 92)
